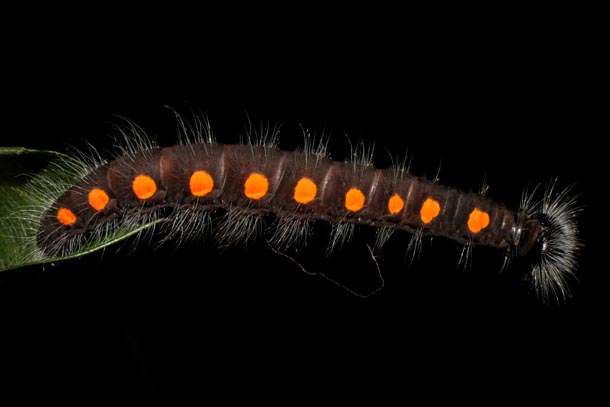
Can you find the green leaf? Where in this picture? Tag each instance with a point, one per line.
(29, 182)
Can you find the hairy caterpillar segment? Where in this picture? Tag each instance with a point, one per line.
(250, 180)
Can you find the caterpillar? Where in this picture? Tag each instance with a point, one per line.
(246, 183)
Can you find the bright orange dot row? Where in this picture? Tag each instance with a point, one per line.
(256, 187)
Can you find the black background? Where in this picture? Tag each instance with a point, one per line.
(513, 110)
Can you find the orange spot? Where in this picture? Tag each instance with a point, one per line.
(478, 220)
(201, 183)
(98, 199)
(354, 200)
(66, 216)
(144, 186)
(429, 210)
(305, 191)
(395, 204)
(256, 186)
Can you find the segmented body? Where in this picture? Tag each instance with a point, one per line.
(298, 186)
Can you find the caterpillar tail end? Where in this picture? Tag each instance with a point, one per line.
(554, 240)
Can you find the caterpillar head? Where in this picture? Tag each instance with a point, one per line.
(548, 229)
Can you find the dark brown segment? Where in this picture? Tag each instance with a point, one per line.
(383, 188)
(79, 197)
(123, 171)
(241, 161)
(332, 195)
(444, 224)
(418, 192)
(339, 179)
(300, 165)
(180, 162)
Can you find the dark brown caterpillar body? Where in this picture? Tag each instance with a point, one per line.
(299, 185)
